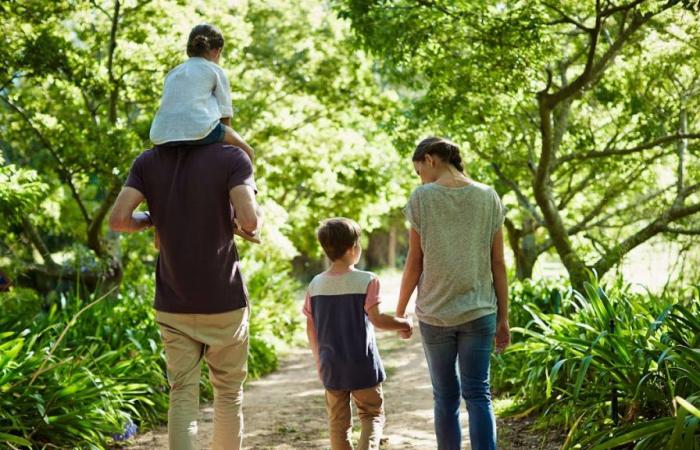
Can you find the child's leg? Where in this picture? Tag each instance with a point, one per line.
(233, 138)
(370, 408)
(339, 419)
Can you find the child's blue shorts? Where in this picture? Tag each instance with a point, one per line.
(216, 135)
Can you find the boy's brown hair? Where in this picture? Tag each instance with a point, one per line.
(337, 236)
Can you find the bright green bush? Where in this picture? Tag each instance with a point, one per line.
(74, 378)
(567, 365)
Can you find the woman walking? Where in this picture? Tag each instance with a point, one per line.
(455, 258)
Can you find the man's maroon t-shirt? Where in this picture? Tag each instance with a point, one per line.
(187, 190)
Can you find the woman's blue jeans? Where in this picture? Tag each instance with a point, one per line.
(458, 360)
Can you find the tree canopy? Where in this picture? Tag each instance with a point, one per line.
(584, 111)
(81, 82)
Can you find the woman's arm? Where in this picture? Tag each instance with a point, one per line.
(500, 284)
(411, 272)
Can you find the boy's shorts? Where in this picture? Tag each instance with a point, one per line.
(216, 135)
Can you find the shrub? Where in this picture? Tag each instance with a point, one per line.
(640, 349)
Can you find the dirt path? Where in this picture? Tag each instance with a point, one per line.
(285, 410)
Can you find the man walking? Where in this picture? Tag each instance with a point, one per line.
(201, 300)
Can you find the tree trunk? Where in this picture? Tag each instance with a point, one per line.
(524, 249)
(391, 256)
(542, 188)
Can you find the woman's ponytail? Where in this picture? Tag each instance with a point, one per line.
(443, 148)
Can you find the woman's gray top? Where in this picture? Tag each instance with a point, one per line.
(456, 226)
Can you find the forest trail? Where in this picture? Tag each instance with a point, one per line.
(286, 410)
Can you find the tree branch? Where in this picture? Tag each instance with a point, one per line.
(621, 8)
(572, 191)
(38, 243)
(615, 255)
(522, 199)
(551, 100)
(114, 93)
(565, 18)
(626, 151)
(688, 232)
(95, 227)
(65, 174)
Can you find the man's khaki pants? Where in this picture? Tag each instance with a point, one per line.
(222, 340)
(370, 408)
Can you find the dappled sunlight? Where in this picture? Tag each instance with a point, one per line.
(317, 392)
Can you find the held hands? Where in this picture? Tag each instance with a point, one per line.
(502, 335)
(408, 332)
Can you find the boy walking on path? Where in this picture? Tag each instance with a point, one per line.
(341, 306)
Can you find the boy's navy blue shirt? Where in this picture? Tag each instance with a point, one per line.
(338, 305)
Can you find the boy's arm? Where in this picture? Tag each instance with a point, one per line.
(387, 321)
(311, 331)
(313, 341)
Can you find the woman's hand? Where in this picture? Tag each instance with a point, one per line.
(502, 335)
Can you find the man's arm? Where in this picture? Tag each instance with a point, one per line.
(248, 214)
(123, 217)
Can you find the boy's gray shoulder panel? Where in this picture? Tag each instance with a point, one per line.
(355, 282)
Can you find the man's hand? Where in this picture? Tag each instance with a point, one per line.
(246, 208)
(248, 237)
(502, 335)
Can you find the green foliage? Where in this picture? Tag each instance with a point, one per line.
(83, 81)
(65, 382)
(20, 191)
(567, 366)
(482, 72)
